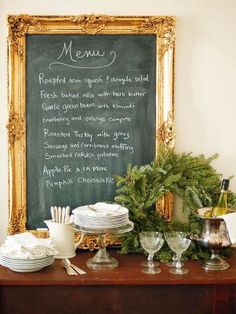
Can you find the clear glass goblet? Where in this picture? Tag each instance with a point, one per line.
(178, 243)
(151, 242)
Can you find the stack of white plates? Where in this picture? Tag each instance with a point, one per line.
(101, 215)
(26, 265)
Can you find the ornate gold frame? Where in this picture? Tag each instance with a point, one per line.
(20, 25)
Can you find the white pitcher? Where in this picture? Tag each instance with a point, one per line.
(63, 238)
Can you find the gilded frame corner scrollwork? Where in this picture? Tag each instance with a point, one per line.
(163, 27)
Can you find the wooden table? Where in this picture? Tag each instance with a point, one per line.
(123, 290)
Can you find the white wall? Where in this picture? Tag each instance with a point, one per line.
(205, 93)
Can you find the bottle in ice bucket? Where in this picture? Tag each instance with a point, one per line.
(221, 206)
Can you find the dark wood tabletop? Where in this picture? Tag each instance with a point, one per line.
(127, 273)
(124, 290)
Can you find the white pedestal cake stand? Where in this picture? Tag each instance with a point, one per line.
(102, 260)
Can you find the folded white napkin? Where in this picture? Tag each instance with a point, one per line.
(105, 209)
(105, 206)
(26, 245)
(230, 220)
(25, 239)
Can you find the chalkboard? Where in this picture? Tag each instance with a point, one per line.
(90, 111)
(88, 95)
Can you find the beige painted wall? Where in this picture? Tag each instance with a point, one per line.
(205, 93)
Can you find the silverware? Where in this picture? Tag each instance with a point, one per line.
(69, 269)
(63, 215)
(60, 215)
(67, 215)
(52, 213)
(92, 208)
(74, 267)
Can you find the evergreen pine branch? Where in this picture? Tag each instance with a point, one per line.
(192, 178)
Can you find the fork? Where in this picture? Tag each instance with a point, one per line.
(69, 269)
(76, 269)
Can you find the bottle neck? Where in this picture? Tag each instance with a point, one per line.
(224, 191)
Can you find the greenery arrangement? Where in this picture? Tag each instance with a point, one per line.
(192, 178)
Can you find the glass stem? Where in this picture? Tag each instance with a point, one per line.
(150, 260)
(178, 262)
(102, 241)
(174, 257)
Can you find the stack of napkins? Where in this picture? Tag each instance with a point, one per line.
(27, 246)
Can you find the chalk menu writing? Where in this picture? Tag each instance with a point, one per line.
(90, 113)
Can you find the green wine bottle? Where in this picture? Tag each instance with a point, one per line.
(221, 206)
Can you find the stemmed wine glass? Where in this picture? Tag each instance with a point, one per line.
(178, 243)
(151, 242)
